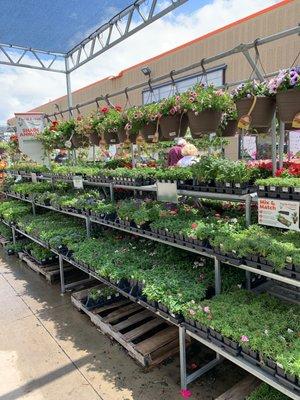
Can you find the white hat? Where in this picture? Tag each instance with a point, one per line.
(180, 141)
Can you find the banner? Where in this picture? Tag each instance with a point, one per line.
(28, 126)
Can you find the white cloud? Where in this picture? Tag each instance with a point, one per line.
(24, 89)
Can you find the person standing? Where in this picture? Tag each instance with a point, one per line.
(175, 153)
(189, 155)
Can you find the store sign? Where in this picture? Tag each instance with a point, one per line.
(279, 213)
(78, 182)
(294, 143)
(167, 192)
(28, 127)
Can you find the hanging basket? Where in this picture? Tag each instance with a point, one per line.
(149, 132)
(262, 113)
(78, 141)
(111, 138)
(173, 126)
(94, 138)
(288, 104)
(206, 121)
(230, 129)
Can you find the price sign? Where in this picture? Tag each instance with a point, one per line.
(279, 213)
(78, 182)
(33, 177)
(167, 192)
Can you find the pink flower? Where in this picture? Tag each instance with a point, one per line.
(244, 339)
(173, 111)
(206, 310)
(185, 393)
(192, 312)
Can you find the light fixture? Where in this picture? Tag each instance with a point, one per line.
(146, 71)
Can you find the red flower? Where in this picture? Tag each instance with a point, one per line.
(104, 110)
(279, 172)
(79, 118)
(118, 108)
(194, 225)
(13, 138)
(53, 126)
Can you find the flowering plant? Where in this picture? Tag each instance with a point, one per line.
(286, 79)
(170, 106)
(250, 89)
(87, 125)
(114, 119)
(138, 117)
(201, 98)
(57, 134)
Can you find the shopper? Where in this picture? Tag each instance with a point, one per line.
(175, 153)
(61, 157)
(190, 155)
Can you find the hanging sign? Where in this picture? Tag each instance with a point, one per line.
(294, 143)
(78, 182)
(167, 192)
(29, 125)
(279, 213)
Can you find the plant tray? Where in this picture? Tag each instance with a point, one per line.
(277, 192)
(229, 349)
(49, 272)
(147, 338)
(288, 384)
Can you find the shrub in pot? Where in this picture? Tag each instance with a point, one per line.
(286, 86)
(254, 98)
(172, 119)
(204, 106)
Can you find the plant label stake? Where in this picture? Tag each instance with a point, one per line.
(78, 182)
(33, 177)
(167, 192)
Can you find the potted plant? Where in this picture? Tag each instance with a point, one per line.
(255, 100)
(172, 120)
(204, 106)
(229, 123)
(144, 119)
(112, 125)
(286, 86)
(87, 126)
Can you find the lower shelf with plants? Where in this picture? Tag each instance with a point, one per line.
(261, 329)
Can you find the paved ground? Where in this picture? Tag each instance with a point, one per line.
(49, 351)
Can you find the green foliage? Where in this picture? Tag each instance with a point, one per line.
(266, 392)
(96, 294)
(11, 210)
(281, 182)
(38, 252)
(202, 98)
(5, 231)
(250, 89)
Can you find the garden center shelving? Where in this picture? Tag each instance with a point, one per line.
(220, 353)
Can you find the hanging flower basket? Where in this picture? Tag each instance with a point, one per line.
(262, 113)
(288, 104)
(94, 138)
(111, 138)
(150, 132)
(172, 126)
(230, 129)
(206, 121)
(78, 141)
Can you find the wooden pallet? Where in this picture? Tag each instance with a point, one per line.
(241, 390)
(50, 272)
(147, 338)
(3, 241)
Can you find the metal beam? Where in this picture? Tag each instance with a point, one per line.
(120, 27)
(34, 59)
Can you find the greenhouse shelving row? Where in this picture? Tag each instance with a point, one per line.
(89, 220)
(183, 331)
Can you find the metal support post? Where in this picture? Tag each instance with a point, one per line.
(281, 143)
(182, 349)
(248, 209)
(88, 226)
(61, 271)
(217, 276)
(68, 83)
(111, 191)
(253, 64)
(13, 231)
(274, 152)
(33, 207)
(248, 280)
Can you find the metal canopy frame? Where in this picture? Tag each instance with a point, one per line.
(119, 28)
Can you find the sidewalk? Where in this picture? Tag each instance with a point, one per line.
(49, 351)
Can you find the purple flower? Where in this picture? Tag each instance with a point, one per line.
(206, 310)
(244, 339)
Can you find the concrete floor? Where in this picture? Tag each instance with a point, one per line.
(49, 351)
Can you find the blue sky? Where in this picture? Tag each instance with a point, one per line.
(48, 24)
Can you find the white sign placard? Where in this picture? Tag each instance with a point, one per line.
(294, 143)
(33, 177)
(78, 182)
(167, 192)
(279, 213)
(28, 127)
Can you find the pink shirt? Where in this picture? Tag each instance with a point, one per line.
(174, 155)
